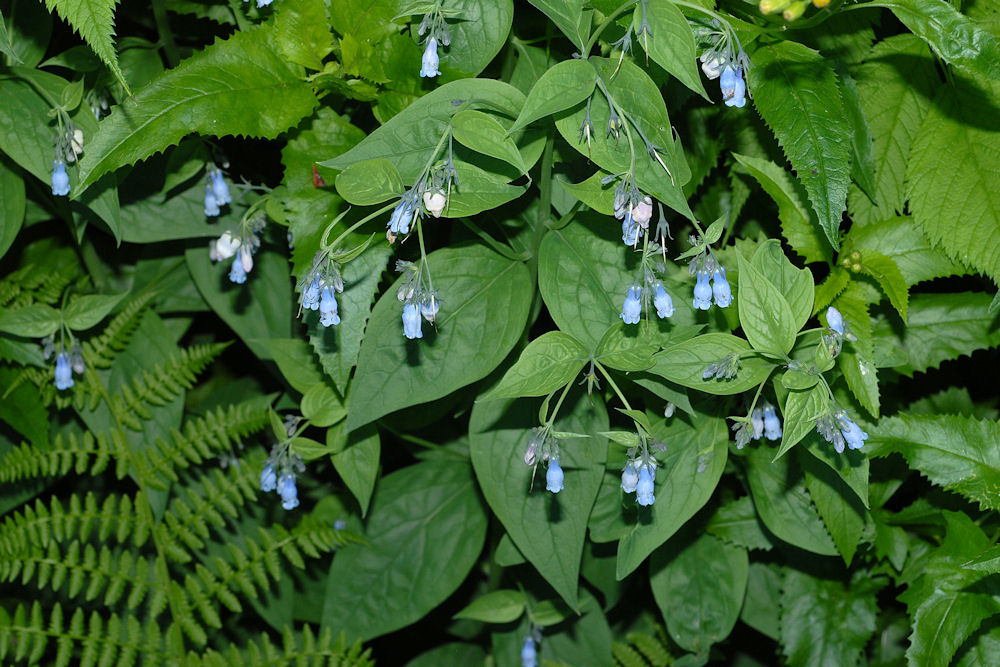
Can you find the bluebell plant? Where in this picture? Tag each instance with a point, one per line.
(239, 245)
(216, 192)
(639, 474)
(283, 464)
(69, 360)
(435, 32)
(319, 288)
(543, 448)
(724, 58)
(68, 148)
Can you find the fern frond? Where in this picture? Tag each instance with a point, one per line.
(302, 649)
(204, 504)
(64, 452)
(99, 351)
(643, 650)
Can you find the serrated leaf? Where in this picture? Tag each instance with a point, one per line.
(831, 288)
(95, 21)
(560, 87)
(670, 42)
(862, 156)
(85, 311)
(546, 364)
(954, 177)
(842, 513)
(370, 182)
(957, 453)
(737, 522)
(885, 270)
(796, 93)
(302, 32)
(213, 92)
(902, 240)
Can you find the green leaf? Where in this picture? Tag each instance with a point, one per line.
(800, 411)
(626, 348)
(6, 47)
(84, 312)
(685, 364)
(484, 134)
(953, 36)
(763, 599)
(370, 182)
(953, 177)
(409, 534)
(295, 361)
(322, 406)
(503, 606)
(569, 16)
(356, 460)
(308, 449)
(824, 621)
(797, 95)
(546, 364)
(783, 503)
(562, 86)
(957, 453)
(94, 20)
(686, 478)
(549, 529)
(862, 156)
(34, 321)
(841, 510)
(698, 584)
(737, 523)
(484, 307)
(796, 285)
(302, 32)
(902, 240)
(671, 43)
(851, 464)
(213, 93)
(13, 203)
(476, 36)
(798, 221)
(885, 270)
(765, 315)
(592, 192)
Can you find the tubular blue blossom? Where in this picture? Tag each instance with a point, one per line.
(529, 656)
(211, 203)
(268, 480)
(733, 87)
(664, 304)
(76, 360)
(757, 422)
(310, 295)
(631, 230)
(328, 308)
(429, 63)
(738, 99)
(835, 320)
(402, 216)
(772, 424)
(644, 488)
(853, 435)
(63, 374)
(237, 274)
(720, 288)
(632, 307)
(220, 189)
(703, 292)
(554, 477)
(411, 321)
(630, 478)
(289, 494)
(60, 179)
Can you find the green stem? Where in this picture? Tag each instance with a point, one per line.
(607, 376)
(326, 233)
(166, 35)
(236, 7)
(423, 256)
(609, 19)
(552, 416)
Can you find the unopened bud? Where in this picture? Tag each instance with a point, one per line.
(435, 202)
(772, 6)
(821, 3)
(794, 10)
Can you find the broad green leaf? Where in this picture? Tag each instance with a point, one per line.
(479, 191)
(798, 221)
(409, 535)
(902, 240)
(322, 406)
(302, 32)
(953, 36)
(592, 192)
(12, 201)
(686, 478)
(34, 321)
(862, 156)
(501, 606)
(295, 361)
(885, 270)
(940, 327)
(796, 379)
(476, 37)
(569, 16)
(953, 178)
(84, 312)
(796, 92)
(562, 86)
(583, 641)
(671, 43)
(841, 510)
(95, 21)
(484, 305)
(685, 364)
(370, 182)
(825, 621)
(957, 453)
(546, 364)
(765, 315)
(29, 26)
(549, 529)
(762, 606)
(799, 412)
(213, 92)
(895, 86)
(796, 285)
(484, 134)
(783, 503)
(636, 93)
(627, 348)
(356, 460)
(737, 523)
(699, 583)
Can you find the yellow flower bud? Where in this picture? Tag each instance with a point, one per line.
(772, 6)
(795, 10)
(821, 3)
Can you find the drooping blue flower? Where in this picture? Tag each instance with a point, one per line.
(703, 291)
(733, 87)
(835, 320)
(720, 288)
(310, 295)
(644, 488)
(429, 63)
(630, 478)
(238, 274)
(772, 424)
(411, 321)
(529, 656)
(852, 433)
(328, 308)
(60, 179)
(402, 216)
(664, 304)
(268, 480)
(220, 189)
(631, 231)
(211, 203)
(757, 423)
(429, 307)
(632, 307)
(64, 373)
(554, 477)
(289, 494)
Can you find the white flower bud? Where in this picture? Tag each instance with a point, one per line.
(224, 247)
(435, 202)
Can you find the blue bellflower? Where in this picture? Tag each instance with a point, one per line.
(757, 423)
(310, 295)
(664, 304)
(211, 203)
(644, 488)
(402, 216)
(632, 307)
(268, 480)
(630, 478)
(733, 87)
(220, 189)
(328, 308)
(772, 424)
(703, 292)
(529, 656)
(852, 433)
(429, 63)
(720, 288)
(64, 373)
(60, 179)
(554, 477)
(238, 274)
(411, 321)
(835, 320)
(289, 494)
(630, 229)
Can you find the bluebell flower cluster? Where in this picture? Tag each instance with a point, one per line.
(638, 477)
(733, 87)
(529, 655)
(435, 30)
(67, 363)
(419, 302)
(216, 193)
(238, 247)
(839, 429)
(543, 448)
(321, 285)
(280, 469)
(726, 61)
(69, 147)
(711, 283)
(634, 209)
